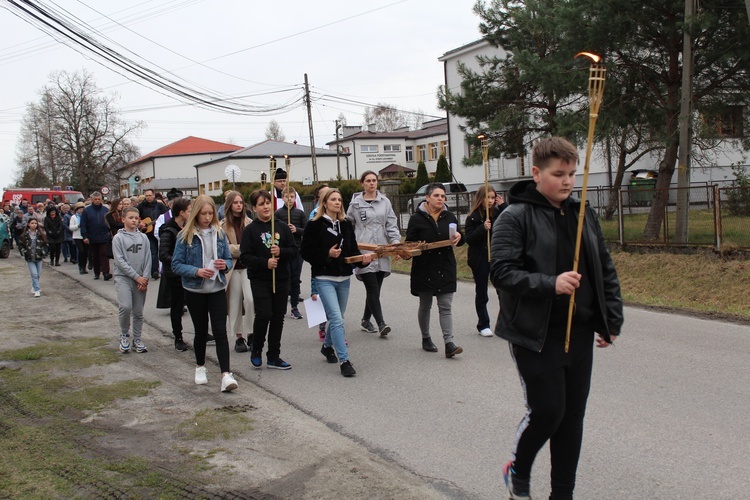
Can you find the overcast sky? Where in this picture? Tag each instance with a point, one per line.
(367, 52)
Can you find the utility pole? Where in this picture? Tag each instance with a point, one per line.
(312, 136)
(338, 157)
(686, 108)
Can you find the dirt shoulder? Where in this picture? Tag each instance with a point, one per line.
(191, 441)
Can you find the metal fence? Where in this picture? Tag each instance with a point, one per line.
(718, 217)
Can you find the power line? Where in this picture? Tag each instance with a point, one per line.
(69, 33)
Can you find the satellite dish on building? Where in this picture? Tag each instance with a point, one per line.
(233, 173)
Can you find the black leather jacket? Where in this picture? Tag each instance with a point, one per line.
(523, 269)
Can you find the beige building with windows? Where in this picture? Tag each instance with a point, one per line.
(403, 147)
(712, 165)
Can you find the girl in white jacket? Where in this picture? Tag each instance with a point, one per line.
(372, 215)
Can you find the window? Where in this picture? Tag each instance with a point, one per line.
(392, 148)
(368, 148)
(409, 153)
(726, 123)
(444, 148)
(421, 153)
(433, 150)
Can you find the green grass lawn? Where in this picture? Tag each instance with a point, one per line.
(696, 282)
(735, 229)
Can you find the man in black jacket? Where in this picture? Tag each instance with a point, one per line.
(151, 209)
(95, 233)
(533, 246)
(296, 220)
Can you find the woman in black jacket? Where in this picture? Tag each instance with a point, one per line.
(328, 240)
(171, 294)
(478, 226)
(55, 231)
(433, 273)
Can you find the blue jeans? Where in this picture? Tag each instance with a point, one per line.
(35, 269)
(335, 295)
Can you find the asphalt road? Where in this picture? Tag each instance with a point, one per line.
(667, 416)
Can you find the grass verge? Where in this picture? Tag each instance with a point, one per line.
(49, 452)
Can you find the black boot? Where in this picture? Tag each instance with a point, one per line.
(452, 349)
(428, 346)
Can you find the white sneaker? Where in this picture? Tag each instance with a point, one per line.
(228, 383)
(486, 332)
(200, 375)
(38, 293)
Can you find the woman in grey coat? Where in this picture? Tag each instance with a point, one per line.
(371, 214)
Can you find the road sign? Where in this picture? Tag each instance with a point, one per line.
(104, 190)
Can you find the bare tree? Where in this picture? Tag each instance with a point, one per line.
(416, 119)
(74, 135)
(342, 119)
(274, 132)
(385, 117)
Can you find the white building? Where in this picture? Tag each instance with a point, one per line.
(172, 166)
(377, 150)
(255, 160)
(714, 166)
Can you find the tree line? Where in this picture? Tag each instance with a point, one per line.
(74, 135)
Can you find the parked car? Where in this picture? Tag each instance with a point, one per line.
(457, 198)
(4, 236)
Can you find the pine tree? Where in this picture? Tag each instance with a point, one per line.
(442, 172)
(422, 177)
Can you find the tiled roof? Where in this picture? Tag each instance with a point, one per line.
(189, 146)
(395, 168)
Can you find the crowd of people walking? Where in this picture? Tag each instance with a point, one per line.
(239, 274)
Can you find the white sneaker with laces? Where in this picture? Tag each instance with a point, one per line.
(38, 293)
(200, 375)
(486, 332)
(228, 383)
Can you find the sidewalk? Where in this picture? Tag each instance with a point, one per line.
(286, 454)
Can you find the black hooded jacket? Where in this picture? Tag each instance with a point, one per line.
(529, 240)
(476, 234)
(433, 270)
(53, 227)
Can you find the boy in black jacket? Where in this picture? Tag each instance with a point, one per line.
(296, 220)
(533, 245)
(265, 254)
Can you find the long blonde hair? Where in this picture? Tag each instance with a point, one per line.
(322, 205)
(191, 228)
(479, 198)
